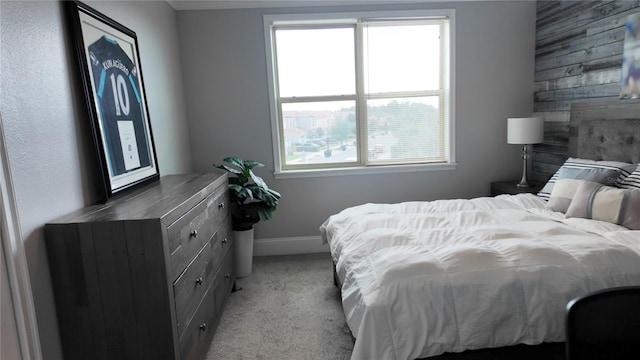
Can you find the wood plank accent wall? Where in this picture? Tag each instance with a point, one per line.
(579, 48)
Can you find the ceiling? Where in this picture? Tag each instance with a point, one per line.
(244, 4)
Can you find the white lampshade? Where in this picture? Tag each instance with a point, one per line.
(525, 130)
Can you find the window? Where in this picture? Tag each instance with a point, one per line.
(360, 90)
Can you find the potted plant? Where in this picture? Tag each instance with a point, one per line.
(251, 201)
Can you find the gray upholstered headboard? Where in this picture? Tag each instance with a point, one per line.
(607, 130)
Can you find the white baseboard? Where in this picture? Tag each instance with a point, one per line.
(289, 246)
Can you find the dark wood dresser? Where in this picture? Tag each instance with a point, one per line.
(146, 275)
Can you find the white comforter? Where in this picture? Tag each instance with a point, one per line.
(423, 278)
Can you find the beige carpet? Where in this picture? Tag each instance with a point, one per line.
(288, 308)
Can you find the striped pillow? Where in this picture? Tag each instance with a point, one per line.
(632, 181)
(623, 169)
(570, 178)
(606, 203)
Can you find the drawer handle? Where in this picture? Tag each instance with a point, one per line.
(199, 281)
(193, 233)
(227, 276)
(203, 327)
(221, 205)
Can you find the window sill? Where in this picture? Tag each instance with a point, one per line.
(362, 170)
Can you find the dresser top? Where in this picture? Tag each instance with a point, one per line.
(167, 199)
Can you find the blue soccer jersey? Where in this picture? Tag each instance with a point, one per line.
(117, 89)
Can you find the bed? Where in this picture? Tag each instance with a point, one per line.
(419, 279)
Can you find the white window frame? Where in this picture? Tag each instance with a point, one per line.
(449, 93)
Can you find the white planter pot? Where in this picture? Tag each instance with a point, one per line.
(243, 252)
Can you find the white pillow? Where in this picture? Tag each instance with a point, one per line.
(624, 169)
(632, 181)
(606, 203)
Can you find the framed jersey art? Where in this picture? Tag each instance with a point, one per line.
(114, 89)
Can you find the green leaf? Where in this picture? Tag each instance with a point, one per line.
(225, 167)
(241, 192)
(258, 180)
(250, 164)
(264, 214)
(239, 180)
(275, 193)
(235, 161)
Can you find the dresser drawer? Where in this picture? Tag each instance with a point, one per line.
(221, 205)
(221, 242)
(188, 234)
(224, 281)
(197, 336)
(189, 288)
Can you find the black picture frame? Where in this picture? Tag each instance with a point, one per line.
(111, 73)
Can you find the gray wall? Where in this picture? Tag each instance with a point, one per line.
(225, 75)
(578, 58)
(46, 125)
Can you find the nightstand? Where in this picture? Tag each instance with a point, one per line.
(510, 187)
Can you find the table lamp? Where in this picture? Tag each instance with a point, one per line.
(525, 131)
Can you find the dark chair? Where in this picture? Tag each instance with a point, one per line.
(604, 325)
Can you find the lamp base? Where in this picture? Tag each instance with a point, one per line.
(523, 182)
